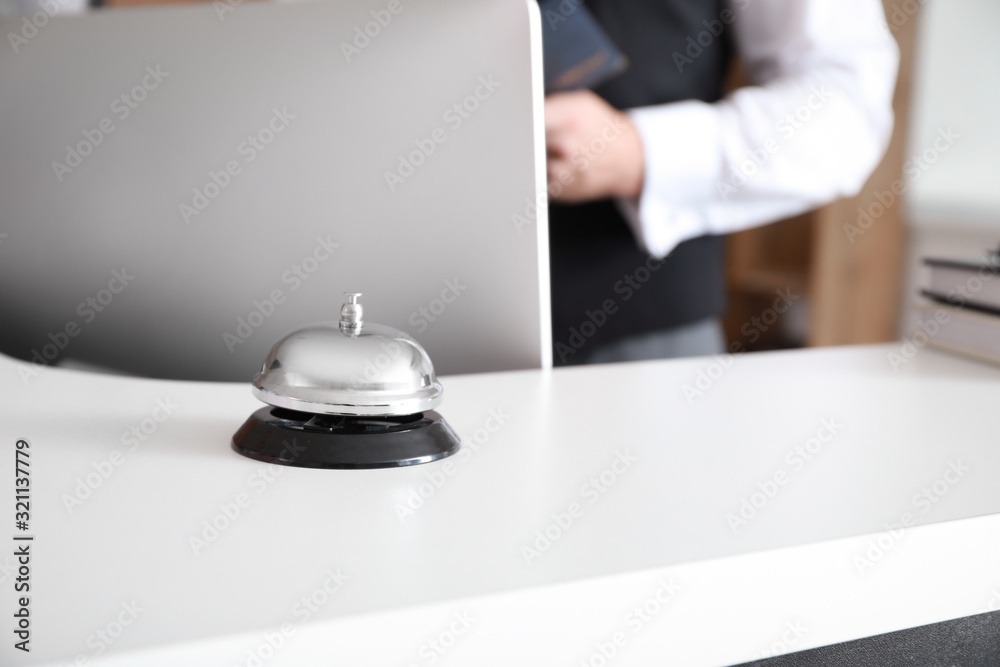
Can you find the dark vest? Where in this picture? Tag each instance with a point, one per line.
(593, 253)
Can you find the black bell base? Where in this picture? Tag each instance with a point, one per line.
(306, 440)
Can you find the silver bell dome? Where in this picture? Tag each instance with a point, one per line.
(349, 368)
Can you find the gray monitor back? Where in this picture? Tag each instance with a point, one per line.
(182, 186)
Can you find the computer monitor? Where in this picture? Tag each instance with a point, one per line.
(181, 186)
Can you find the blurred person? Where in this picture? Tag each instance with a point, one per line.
(651, 170)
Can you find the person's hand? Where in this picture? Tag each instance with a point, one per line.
(594, 150)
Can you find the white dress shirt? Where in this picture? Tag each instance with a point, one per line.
(811, 128)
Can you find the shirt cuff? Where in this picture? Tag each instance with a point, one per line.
(681, 145)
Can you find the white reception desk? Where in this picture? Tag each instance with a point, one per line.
(686, 512)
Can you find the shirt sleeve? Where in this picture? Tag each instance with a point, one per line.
(811, 128)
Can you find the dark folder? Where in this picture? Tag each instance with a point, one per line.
(576, 50)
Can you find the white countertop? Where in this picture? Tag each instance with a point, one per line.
(671, 474)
